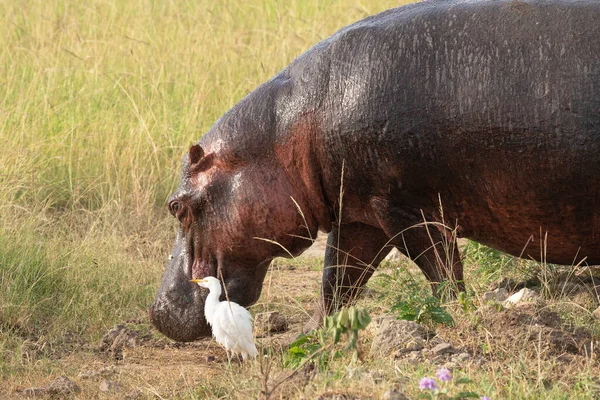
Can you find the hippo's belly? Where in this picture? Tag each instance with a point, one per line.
(540, 202)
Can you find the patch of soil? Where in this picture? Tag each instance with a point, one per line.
(529, 329)
(540, 327)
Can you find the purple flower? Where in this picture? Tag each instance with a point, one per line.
(484, 398)
(444, 374)
(428, 383)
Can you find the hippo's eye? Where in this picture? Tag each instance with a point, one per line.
(174, 207)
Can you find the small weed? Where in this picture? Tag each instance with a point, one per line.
(423, 310)
(319, 344)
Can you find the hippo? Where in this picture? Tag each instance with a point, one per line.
(407, 129)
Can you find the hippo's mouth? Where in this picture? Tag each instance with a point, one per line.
(199, 268)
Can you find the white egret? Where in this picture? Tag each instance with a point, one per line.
(231, 323)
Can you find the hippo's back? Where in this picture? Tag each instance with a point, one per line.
(473, 63)
(492, 106)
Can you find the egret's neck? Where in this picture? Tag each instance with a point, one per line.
(210, 304)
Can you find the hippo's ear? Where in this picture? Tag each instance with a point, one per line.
(196, 155)
(198, 161)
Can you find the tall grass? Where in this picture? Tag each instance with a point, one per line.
(99, 101)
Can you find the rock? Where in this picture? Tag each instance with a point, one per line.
(442, 348)
(109, 386)
(269, 322)
(109, 338)
(397, 335)
(394, 394)
(117, 339)
(376, 323)
(414, 357)
(62, 386)
(524, 295)
(34, 392)
(498, 295)
(596, 313)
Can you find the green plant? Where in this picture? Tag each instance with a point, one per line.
(346, 323)
(423, 310)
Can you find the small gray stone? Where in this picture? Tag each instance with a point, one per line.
(596, 313)
(109, 338)
(120, 341)
(269, 322)
(376, 323)
(109, 386)
(442, 348)
(394, 394)
(119, 337)
(396, 335)
(524, 295)
(62, 386)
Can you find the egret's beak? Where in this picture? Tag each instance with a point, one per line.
(197, 280)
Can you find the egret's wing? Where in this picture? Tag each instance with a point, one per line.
(235, 322)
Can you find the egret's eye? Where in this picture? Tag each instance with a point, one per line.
(170, 257)
(174, 207)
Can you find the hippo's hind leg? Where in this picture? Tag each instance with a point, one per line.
(430, 245)
(353, 252)
(435, 252)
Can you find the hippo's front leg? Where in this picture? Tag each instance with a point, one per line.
(353, 252)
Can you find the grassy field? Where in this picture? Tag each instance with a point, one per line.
(99, 101)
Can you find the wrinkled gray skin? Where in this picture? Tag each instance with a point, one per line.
(492, 108)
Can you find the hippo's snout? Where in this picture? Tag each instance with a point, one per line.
(178, 309)
(183, 324)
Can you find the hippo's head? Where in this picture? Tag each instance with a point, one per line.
(235, 215)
